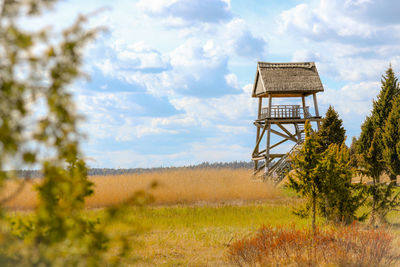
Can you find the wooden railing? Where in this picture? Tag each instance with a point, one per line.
(285, 112)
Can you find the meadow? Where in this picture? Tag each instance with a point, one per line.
(195, 215)
(184, 186)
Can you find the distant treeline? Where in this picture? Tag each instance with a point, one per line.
(109, 171)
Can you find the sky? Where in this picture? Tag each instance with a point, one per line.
(171, 80)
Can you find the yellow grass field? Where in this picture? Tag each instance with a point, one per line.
(182, 186)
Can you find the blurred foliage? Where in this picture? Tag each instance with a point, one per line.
(38, 129)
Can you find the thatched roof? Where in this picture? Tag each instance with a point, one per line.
(286, 79)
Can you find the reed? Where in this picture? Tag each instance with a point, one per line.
(183, 186)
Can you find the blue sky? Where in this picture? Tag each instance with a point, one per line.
(171, 80)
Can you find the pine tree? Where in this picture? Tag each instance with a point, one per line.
(354, 156)
(391, 139)
(383, 199)
(380, 112)
(383, 105)
(305, 179)
(332, 130)
(371, 148)
(339, 201)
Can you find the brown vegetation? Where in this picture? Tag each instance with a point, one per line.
(288, 246)
(174, 187)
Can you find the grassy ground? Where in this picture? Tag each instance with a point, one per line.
(200, 235)
(196, 214)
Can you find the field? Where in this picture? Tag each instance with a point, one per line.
(196, 214)
(186, 186)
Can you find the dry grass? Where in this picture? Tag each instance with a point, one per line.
(343, 246)
(174, 187)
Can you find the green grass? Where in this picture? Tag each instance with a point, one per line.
(200, 235)
(226, 216)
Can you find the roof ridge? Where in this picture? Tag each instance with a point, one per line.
(308, 65)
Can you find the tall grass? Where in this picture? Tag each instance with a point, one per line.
(184, 186)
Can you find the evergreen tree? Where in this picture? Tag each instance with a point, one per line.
(391, 139)
(383, 105)
(331, 130)
(372, 147)
(354, 156)
(305, 179)
(339, 199)
(382, 195)
(380, 112)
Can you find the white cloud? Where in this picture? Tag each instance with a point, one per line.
(350, 22)
(187, 12)
(140, 56)
(305, 55)
(193, 57)
(354, 99)
(241, 41)
(350, 40)
(196, 69)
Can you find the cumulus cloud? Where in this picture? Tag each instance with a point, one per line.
(187, 12)
(350, 40)
(305, 55)
(354, 99)
(121, 119)
(381, 12)
(242, 42)
(355, 22)
(196, 68)
(113, 56)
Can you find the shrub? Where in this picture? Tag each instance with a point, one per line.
(288, 246)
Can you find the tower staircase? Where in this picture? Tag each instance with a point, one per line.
(281, 168)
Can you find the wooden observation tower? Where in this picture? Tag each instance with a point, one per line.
(282, 122)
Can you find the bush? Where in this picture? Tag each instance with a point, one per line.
(288, 246)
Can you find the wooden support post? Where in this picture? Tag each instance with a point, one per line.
(258, 131)
(259, 139)
(259, 169)
(267, 148)
(259, 107)
(303, 100)
(268, 134)
(316, 108)
(269, 105)
(296, 126)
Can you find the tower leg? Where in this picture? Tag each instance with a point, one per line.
(258, 131)
(257, 137)
(267, 160)
(303, 101)
(316, 109)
